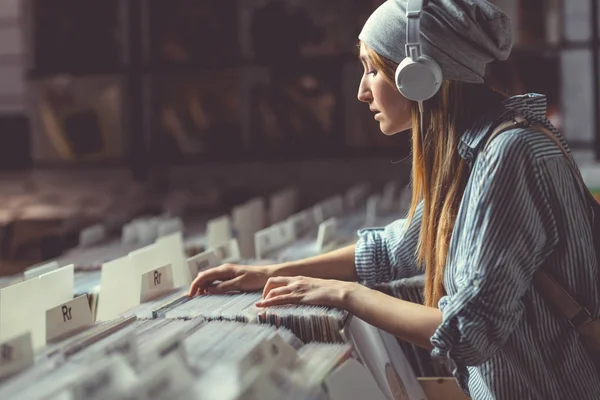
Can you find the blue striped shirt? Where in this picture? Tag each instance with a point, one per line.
(522, 210)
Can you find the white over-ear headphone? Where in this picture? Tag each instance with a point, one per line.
(418, 77)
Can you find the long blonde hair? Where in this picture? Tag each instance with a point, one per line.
(439, 173)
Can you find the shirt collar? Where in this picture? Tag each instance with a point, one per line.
(532, 106)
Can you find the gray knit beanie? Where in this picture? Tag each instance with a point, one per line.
(461, 35)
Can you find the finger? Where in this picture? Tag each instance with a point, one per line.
(206, 278)
(227, 286)
(280, 291)
(290, 298)
(276, 282)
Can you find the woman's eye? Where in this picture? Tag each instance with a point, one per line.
(372, 72)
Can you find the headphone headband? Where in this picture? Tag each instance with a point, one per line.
(413, 28)
(418, 76)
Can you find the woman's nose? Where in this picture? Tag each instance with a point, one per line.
(364, 94)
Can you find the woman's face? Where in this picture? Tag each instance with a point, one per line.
(390, 108)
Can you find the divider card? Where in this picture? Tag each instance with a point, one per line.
(23, 306)
(16, 354)
(356, 195)
(129, 234)
(104, 379)
(400, 375)
(229, 252)
(282, 204)
(92, 235)
(391, 375)
(330, 207)
(170, 226)
(351, 380)
(373, 207)
(118, 284)
(390, 190)
(202, 262)
(162, 380)
(40, 270)
(273, 238)
(145, 260)
(172, 248)
(67, 318)
(248, 219)
(57, 286)
(218, 231)
(303, 222)
(21, 312)
(326, 234)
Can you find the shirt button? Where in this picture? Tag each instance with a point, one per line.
(476, 282)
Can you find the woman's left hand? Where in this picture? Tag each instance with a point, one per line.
(308, 291)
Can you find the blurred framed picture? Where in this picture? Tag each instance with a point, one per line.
(193, 32)
(276, 31)
(297, 110)
(77, 119)
(75, 35)
(196, 114)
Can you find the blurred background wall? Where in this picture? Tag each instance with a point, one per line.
(109, 104)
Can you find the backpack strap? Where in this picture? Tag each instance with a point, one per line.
(550, 289)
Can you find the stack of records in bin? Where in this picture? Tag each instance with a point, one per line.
(309, 323)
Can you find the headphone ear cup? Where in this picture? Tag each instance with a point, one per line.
(418, 80)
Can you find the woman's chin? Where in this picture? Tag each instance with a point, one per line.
(387, 131)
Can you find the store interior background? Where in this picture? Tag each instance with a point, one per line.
(116, 108)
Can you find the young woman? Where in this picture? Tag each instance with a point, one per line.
(483, 220)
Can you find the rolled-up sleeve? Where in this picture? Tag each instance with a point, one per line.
(388, 253)
(502, 237)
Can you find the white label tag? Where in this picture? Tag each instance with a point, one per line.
(373, 205)
(302, 222)
(326, 234)
(273, 238)
(357, 194)
(16, 354)
(156, 283)
(68, 317)
(202, 262)
(228, 252)
(92, 235)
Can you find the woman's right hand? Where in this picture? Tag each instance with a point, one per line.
(230, 277)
